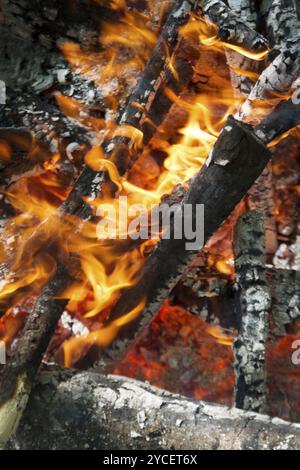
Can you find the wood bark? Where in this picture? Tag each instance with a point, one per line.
(254, 304)
(88, 411)
(261, 195)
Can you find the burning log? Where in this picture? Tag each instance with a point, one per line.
(233, 29)
(276, 80)
(261, 195)
(126, 414)
(254, 303)
(239, 148)
(237, 160)
(123, 151)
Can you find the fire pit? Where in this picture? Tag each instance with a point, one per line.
(149, 159)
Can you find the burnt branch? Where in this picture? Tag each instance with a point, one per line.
(126, 414)
(254, 303)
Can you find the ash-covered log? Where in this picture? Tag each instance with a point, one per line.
(282, 20)
(253, 308)
(274, 84)
(285, 292)
(242, 69)
(233, 29)
(89, 411)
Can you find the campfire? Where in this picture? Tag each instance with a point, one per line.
(149, 237)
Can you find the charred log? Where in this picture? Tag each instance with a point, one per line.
(233, 29)
(286, 116)
(254, 303)
(126, 414)
(261, 197)
(242, 82)
(275, 82)
(237, 160)
(282, 22)
(285, 292)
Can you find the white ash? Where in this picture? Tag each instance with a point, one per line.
(71, 148)
(74, 325)
(62, 75)
(184, 9)
(110, 147)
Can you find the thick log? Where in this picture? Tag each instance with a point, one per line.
(237, 160)
(254, 304)
(274, 83)
(282, 22)
(231, 28)
(88, 411)
(285, 117)
(246, 10)
(261, 195)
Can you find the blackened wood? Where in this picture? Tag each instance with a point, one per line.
(237, 160)
(233, 29)
(285, 292)
(90, 411)
(282, 22)
(247, 11)
(275, 83)
(254, 303)
(261, 197)
(285, 117)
